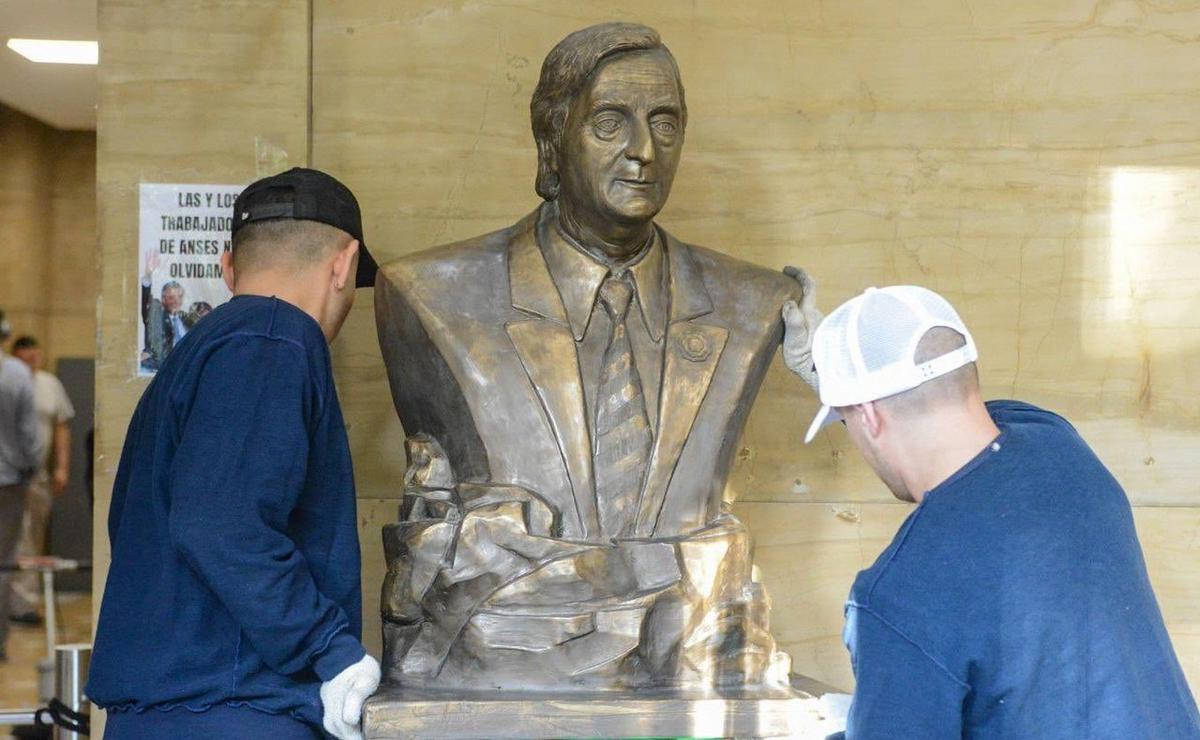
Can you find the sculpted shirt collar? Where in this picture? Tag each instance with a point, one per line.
(578, 277)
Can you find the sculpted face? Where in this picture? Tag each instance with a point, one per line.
(622, 141)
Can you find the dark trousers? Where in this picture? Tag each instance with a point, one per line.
(219, 722)
(12, 514)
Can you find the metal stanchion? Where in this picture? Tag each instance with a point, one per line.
(17, 716)
(71, 669)
(46, 667)
(63, 673)
(68, 713)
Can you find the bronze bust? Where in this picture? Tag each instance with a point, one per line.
(574, 387)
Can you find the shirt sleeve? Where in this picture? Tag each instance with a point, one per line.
(239, 469)
(900, 692)
(64, 410)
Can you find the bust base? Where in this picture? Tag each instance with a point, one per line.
(396, 712)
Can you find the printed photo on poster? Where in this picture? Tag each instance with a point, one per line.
(183, 231)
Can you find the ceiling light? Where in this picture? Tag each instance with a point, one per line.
(56, 52)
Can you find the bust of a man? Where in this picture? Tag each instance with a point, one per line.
(574, 387)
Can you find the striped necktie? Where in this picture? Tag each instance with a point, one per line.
(623, 437)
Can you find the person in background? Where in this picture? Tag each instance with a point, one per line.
(1014, 601)
(233, 605)
(164, 322)
(199, 310)
(54, 413)
(18, 459)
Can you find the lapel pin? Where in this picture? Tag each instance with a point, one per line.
(694, 345)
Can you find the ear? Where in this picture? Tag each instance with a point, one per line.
(873, 421)
(344, 265)
(227, 268)
(548, 178)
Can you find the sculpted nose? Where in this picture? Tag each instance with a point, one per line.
(640, 147)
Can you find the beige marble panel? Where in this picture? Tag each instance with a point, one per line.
(373, 513)
(992, 152)
(48, 239)
(70, 288)
(1171, 543)
(809, 554)
(25, 183)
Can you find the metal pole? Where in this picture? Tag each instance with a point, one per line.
(45, 666)
(51, 616)
(71, 671)
(16, 716)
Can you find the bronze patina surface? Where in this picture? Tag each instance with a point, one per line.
(574, 387)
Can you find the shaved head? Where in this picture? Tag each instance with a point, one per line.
(285, 244)
(955, 387)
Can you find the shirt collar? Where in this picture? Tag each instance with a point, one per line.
(578, 277)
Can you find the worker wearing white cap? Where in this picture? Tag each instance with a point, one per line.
(1014, 601)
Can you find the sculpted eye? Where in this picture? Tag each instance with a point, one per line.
(664, 126)
(607, 124)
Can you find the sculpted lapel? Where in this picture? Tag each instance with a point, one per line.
(547, 351)
(692, 352)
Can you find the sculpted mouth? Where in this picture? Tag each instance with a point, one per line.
(638, 183)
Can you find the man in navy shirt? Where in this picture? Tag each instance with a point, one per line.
(233, 606)
(1014, 601)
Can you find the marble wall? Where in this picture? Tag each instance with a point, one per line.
(1036, 162)
(48, 234)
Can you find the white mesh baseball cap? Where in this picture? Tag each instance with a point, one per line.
(864, 350)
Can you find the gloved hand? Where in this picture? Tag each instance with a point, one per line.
(343, 697)
(799, 324)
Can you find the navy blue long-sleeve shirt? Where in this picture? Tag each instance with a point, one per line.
(235, 560)
(1014, 603)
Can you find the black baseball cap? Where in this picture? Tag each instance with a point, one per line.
(309, 195)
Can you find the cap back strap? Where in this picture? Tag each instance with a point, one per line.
(948, 362)
(269, 210)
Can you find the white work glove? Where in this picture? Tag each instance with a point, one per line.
(343, 697)
(799, 324)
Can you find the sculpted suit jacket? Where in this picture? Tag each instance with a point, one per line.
(481, 357)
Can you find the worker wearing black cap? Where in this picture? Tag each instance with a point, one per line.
(233, 606)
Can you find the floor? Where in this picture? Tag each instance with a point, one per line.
(27, 645)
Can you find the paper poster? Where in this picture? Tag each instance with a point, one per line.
(183, 231)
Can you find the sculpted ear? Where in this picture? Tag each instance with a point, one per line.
(547, 179)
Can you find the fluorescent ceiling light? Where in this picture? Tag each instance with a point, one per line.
(56, 52)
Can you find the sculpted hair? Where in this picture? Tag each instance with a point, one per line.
(953, 387)
(569, 66)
